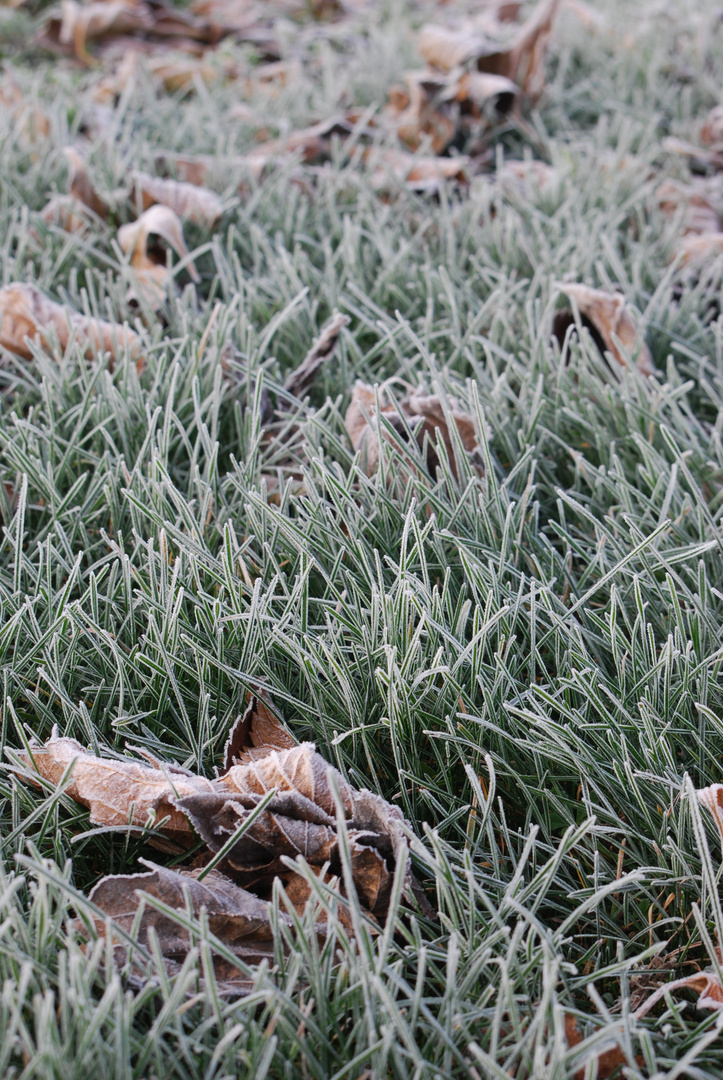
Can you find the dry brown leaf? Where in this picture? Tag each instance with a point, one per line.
(147, 258)
(696, 200)
(299, 819)
(255, 733)
(68, 214)
(608, 315)
(117, 792)
(298, 769)
(700, 249)
(699, 157)
(706, 984)
(181, 73)
(418, 114)
(80, 186)
(82, 207)
(25, 313)
(437, 106)
(529, 174)
(423, 413)
(521, 61)
(711, 133)
(300, 379)
(189, 201)
(477, 90)
(609, 1063)
(236, 917)
(312, 144)
(425, 175)
(81, 23)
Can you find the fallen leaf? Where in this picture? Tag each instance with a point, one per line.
(189, 201)
(422, 174)
(68, 214)
(255, 733)
(700, 249)
(529, 174)
(712, 799)
(609, 1062)
(297, 769)
(148, 259)
(696, 200)
(706, 984)
(478, 90)
(699, 157)
(521, 61)
(26, 313)
(418, 112)
(608, 316)
(311, 144)
(117, 792)
(240, 920)
(300, 379)
(643, 983)
(711, 132)
(439, 106)
(299, 818)
(423, 413)
(181, 73)
(79, 24)
(80, 187)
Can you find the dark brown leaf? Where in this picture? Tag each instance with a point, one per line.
(299, 380)
(424, 414)
(256, 732)
(236, 917)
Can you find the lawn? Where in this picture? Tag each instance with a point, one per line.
(518, 642)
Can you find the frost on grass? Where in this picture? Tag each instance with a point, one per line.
(509, 629)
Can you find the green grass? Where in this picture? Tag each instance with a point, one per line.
(528, 663)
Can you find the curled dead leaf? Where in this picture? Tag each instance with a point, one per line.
(26, 313)
(300, 379)
(695, 200)
(706, 984)
(698, 156)
(190, 202)
(423, 413)
(711, 132)
(116, 792)
(701, 249)
(240, 920)
(521, 60)
(608, 317)
(298, 817)
(68, 214)
(422, 174)
(609, 1062)
(79, 24)
(148, 258)
(255, 734)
